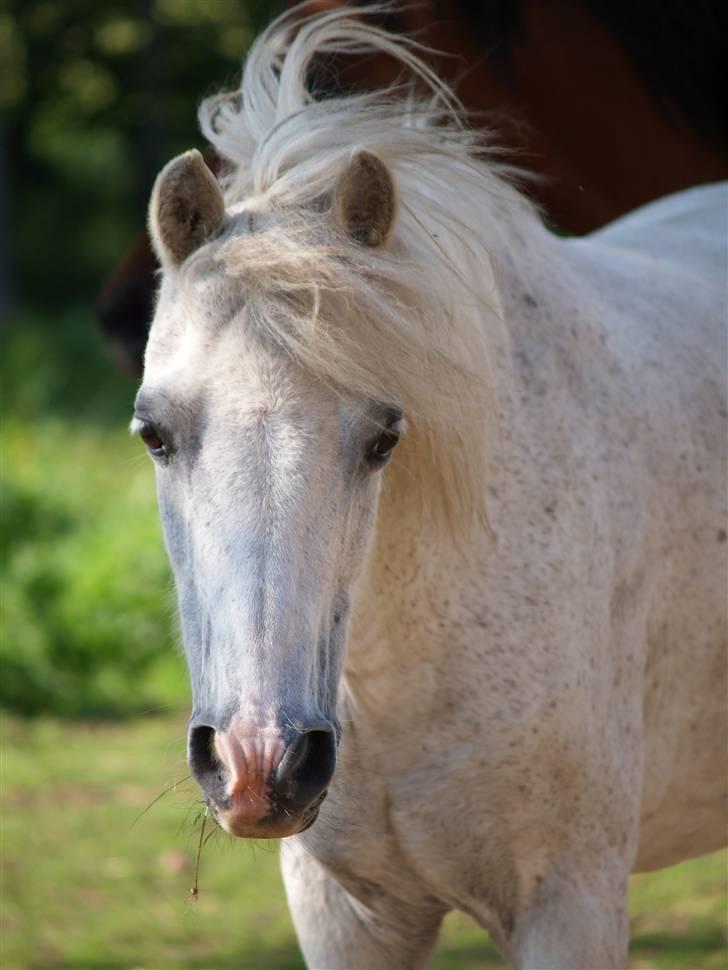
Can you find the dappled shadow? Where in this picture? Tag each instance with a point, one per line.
(684, 951)
(287, 957)
(468, 956)
(675, 951)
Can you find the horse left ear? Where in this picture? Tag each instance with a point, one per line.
(365, 200)
(186, 208)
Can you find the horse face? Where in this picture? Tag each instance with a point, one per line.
(268, 484)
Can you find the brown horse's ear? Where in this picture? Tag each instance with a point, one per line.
(186, 208)
(365, 200)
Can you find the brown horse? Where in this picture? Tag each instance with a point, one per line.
(610, 105)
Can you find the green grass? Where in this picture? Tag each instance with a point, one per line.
(90, 884)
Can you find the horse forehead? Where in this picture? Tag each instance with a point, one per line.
(189, 354)
(194, 308)
(231, 391)
(188, 324)
(204, 349)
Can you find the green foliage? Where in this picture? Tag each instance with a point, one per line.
(87, 610)
(90, 884)
(95, 98)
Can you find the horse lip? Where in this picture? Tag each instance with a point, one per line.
(219, 810)
(272, 826)
(309, 822)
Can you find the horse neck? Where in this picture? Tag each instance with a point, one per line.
(397, 597)
(412, 593)
(406, 599)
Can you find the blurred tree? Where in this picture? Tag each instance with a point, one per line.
(94, 99)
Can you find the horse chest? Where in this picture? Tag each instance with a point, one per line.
(415, 847)
(453, 826)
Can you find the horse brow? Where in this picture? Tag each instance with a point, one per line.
(155, 402)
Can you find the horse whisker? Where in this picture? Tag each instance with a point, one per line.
(158, 797)
(194, 888)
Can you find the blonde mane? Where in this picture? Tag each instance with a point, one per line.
(405, 323)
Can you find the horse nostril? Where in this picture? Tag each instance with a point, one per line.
(306, 768)
(203, 762)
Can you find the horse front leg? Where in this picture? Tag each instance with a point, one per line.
(337, 931)
(574, 922)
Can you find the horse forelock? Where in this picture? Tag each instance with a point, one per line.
(405, 323)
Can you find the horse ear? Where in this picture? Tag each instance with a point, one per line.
(365, 199)
(186, 208)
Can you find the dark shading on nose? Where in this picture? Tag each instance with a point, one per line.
(306, 768)
(205, 767)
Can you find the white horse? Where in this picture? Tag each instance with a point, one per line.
(502, 655)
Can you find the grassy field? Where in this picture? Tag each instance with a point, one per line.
(90, 883)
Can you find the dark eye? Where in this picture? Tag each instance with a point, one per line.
(382, 448)
(153, 440)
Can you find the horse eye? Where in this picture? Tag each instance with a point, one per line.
(152, 439)
(383, 446)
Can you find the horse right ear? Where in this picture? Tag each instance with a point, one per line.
(186, 208)
(365, 200)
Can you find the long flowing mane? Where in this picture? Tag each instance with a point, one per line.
(407, 322)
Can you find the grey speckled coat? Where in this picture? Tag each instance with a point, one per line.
(566, 701)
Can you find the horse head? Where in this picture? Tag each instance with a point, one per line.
(268, 479)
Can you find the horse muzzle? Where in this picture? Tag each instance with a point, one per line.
(263, 781)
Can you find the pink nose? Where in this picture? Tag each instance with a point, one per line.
(251, 758)
(262, 781)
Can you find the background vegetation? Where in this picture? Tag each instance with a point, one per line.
(94, 99)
